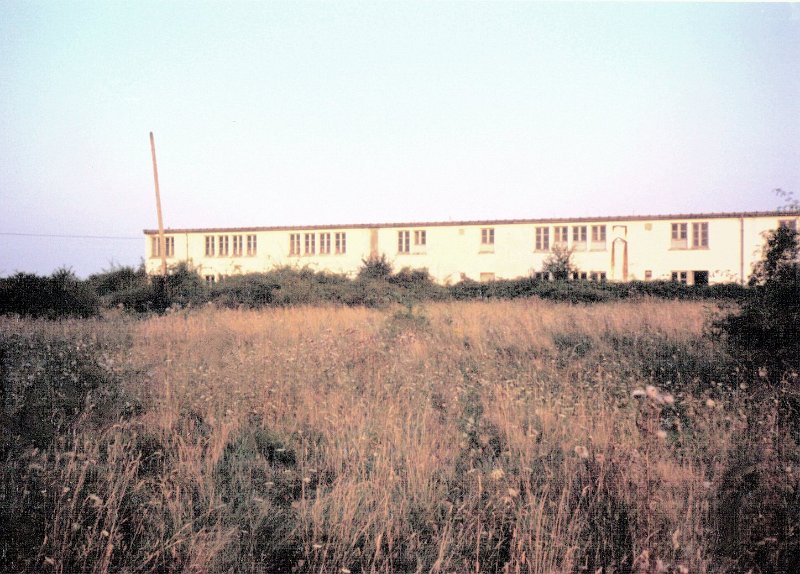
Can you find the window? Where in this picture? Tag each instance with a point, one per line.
(340, 243)
(679, 235)
(310, 244)
(487, 236)
(485, 277)
(579, 237)
(598, 236)
(598, 276)
(252, 245)
(580, 276)
(403, 241)
(237, 245)
(324, 243)
(210, 279)
(541, 276)
(294, 244)
(542, 239)
(209, 245)
(560, 235)
(700, 277)
(680, 277)
(700, 235)
(788, 224)
(155, 247)
(648, 274)
(420, 237)
(222, 242)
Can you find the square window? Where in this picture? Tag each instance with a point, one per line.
(560, 235)
(403, 241)
(155, 247)
(294, 244)
(324, 243)
(542, 239)
(680, 277)
(598, 237)
(680, 235)
(340, 243)
(487, 236)
(700, 235)
(223, 245)
(420, 237)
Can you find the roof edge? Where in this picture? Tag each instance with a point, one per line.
(601, 219)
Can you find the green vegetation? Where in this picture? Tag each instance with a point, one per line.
(375, 286)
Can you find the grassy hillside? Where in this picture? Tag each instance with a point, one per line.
(504, 436)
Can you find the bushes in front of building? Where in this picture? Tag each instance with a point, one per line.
(377, 284)
(765, 332)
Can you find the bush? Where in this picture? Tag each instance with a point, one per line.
(765, 333)
(60, 295)
(118, 279)
(375, 268)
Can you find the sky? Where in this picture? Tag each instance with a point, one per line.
(294, 113)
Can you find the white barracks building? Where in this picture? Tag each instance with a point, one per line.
(690, 248)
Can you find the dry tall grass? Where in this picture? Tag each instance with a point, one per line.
(463, 437)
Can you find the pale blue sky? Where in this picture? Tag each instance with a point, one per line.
(349, 112)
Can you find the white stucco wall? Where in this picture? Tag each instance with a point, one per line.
(454, 250)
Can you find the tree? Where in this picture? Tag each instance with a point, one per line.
(765, 333)
(559, 263)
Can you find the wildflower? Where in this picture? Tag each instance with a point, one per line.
(306, 480)
(706, 484)
(638, 394)
(513, 492)
(316, 546)
(96, 500)
(497, 474)
(710, 403)
(49, 561)
(582, 451)
(344, 570)
(662, 434)
(668, 399)
(105, 533)
(652, 392)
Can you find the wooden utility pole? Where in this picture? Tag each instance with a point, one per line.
(162, 244)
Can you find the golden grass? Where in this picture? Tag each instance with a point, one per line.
(463, 437)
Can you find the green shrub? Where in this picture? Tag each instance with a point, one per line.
(375, 267)
(765, 333)
(60, 295)
(116, 279)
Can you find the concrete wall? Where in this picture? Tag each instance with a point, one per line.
(454, 251)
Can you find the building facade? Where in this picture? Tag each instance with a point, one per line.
(689, 248)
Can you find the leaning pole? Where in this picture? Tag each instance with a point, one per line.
(162, 245)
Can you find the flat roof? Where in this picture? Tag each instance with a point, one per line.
(486, 222)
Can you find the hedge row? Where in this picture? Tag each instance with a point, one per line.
(376, 285)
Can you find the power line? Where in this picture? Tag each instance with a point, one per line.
(126, 237)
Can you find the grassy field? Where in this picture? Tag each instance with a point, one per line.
(519, 436)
